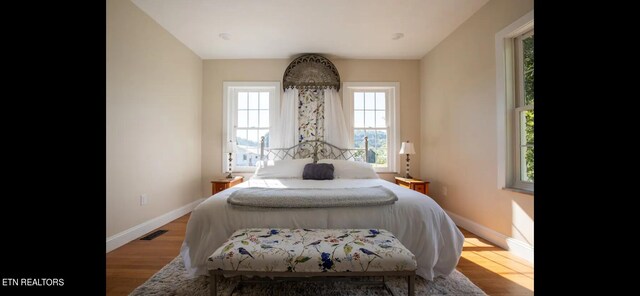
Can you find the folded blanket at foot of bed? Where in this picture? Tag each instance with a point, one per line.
(312, 197)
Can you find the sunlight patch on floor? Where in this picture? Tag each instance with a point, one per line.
(475, 242)
(497, 261)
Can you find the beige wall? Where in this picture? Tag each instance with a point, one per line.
(458, 124)
(216, 71)
(154, 91)
(164, 118)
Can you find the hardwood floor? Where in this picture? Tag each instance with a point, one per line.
(132, 264)
(491, 268)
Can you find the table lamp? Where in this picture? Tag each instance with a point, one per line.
(407, 148)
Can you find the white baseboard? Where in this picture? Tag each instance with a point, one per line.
(117, 240)
(516, 247)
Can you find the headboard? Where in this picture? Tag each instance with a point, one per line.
(315, 149)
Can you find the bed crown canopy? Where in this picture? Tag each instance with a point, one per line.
(311, 71)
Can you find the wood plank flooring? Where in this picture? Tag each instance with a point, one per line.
(491, 268)
(132, 264)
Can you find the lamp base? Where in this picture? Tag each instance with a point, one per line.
(406, 174)
(229, 176)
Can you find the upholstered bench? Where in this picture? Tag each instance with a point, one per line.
(312, 253)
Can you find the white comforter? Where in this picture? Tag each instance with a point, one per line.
(416, 220)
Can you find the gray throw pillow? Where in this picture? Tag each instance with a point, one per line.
(318, 171)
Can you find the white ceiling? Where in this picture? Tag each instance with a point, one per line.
(361, 29)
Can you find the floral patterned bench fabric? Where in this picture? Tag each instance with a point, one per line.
(312, 250)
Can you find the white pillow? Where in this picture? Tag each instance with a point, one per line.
(345, 169)
(280, 169)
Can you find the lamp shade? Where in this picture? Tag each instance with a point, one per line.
(231, 146)
(407, 148)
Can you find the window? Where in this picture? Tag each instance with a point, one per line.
(370, 111)
(515, 101)
(523, 174)
(250, 108)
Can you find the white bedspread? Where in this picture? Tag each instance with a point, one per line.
(416, 220)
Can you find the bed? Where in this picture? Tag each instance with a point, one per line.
(415, 219)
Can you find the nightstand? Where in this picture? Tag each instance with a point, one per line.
(224, 183)
(413, 184)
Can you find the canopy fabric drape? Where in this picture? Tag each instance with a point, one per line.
(335, 129)
(286, 131)
(310, 115)
(311, 108)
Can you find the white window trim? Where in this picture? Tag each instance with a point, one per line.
(505, 93)
(394, 113)
(520, 106)
(228, 87)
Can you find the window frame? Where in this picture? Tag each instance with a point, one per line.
(230, 113)
(392, 108)
(506, 103)
(519, 168)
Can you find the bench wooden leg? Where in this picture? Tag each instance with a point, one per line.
(412, 285)
(213, 284)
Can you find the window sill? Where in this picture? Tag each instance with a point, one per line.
(527, 192)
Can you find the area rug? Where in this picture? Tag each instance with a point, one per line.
(172, 280)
